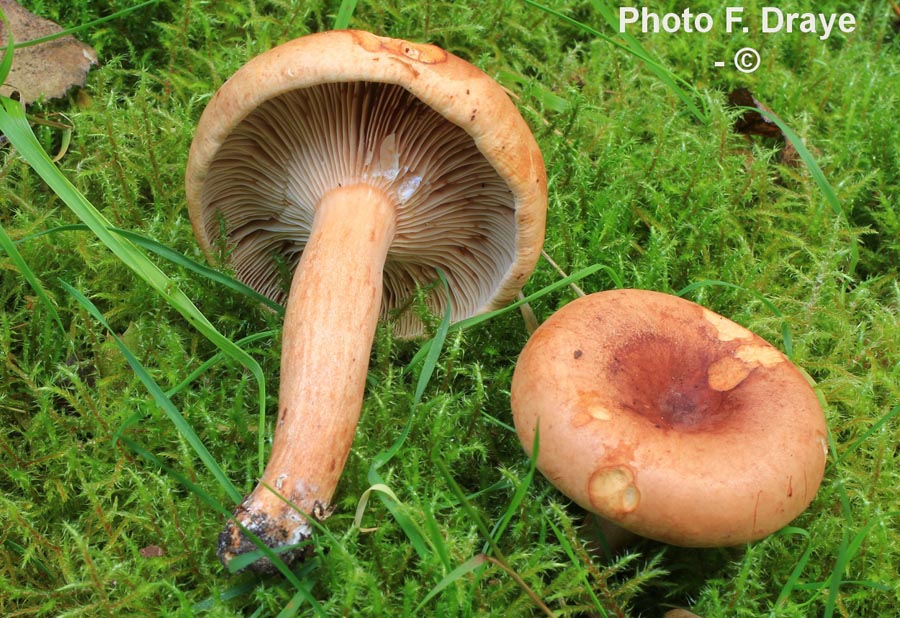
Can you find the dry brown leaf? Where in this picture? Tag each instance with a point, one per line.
(46, 70)
(752, 122)
(152, 551)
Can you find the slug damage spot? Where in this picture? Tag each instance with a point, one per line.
(613, 491)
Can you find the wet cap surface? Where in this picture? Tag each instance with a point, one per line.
(669, 419)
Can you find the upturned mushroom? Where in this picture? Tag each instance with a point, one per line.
(363, 165)
(669, 420)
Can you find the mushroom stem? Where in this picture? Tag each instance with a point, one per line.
(329, 325)
(605, 536)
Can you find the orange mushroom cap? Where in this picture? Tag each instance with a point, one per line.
(669, 420)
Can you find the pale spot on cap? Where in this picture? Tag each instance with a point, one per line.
(764, 355)
(612, 491)
(727, 372)
(726, 330)
(599, 413)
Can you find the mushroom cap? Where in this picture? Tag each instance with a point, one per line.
(440, 137)
(669, 420)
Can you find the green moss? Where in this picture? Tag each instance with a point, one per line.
(660, 198)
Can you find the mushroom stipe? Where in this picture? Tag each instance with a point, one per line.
(669, 420)
(365, 164)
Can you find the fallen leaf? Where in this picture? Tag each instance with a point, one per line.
(45, 70)
(152, 551)
(753, 122)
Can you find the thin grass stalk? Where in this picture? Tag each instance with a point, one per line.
(9, 246)
(85, 26)
(183, 427)
(14, 125)
(686, 94)
(434, 346)
(175, 257)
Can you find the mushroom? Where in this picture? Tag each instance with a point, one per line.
(364, 165)
(669, 420)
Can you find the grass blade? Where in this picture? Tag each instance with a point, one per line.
(466, 567)
(6, 63)
(520, 493)
(344, 14)
(849, 548)
(233, 592)
(289, 575)
(438, 541)
(634, 48)
(435, 350)
(817, 174)
(435, 345)
(808, 159)
(687, 94)
(179, 259)
(9, 246)
(216, 358)
(460, 496)
(796, 572)
(14, 125)
(183, 427)
(364, 501)
(868, 433)
(570, 552)
(175, 257)
(484, 317)
(86, 25)
(499, 558)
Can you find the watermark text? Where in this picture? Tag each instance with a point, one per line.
(771, 20)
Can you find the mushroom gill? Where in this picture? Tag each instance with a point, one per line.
(309, 141)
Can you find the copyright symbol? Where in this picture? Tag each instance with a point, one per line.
(746, 60)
